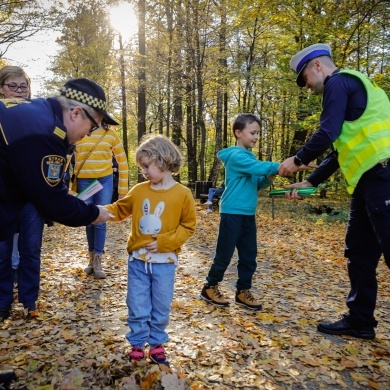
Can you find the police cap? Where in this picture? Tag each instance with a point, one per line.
(90, 93)
(301, 59)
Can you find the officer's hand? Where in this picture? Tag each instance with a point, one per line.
(307, 167)
(104, 215)
(287, 167)
(294, 193)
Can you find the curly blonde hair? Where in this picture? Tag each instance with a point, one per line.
(161, 150)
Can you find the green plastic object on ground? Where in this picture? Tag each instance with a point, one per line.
(301, 191)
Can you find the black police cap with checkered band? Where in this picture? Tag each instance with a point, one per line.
(88, 92)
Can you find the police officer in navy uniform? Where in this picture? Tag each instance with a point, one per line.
(35, 135)
(355, 120)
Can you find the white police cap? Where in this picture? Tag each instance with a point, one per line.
(301, 59)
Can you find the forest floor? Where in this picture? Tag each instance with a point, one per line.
(78, 340)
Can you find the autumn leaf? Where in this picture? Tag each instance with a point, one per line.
(78, 340)
(348, 363)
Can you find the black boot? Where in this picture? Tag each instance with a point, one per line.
(344, 326)
(6, 377)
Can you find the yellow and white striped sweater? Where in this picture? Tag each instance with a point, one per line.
(99, 162)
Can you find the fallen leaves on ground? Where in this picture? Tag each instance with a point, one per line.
(78, 339)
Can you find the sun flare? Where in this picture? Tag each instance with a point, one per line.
(123, 19)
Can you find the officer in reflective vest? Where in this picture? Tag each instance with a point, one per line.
(355, 118)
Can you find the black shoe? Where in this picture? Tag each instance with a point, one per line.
(345, 327)
(4, 314)
(6, 378)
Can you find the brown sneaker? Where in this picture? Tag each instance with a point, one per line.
(246, 299)
(213, 295)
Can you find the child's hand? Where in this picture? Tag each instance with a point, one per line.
(270, 178)
(152, 246)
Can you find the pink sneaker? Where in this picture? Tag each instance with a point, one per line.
(136, 354)
(157, 355)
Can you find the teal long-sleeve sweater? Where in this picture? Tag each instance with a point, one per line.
(244, 177)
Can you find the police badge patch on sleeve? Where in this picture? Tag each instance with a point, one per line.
(52, 169)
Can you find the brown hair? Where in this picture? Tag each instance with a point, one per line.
(242, 120)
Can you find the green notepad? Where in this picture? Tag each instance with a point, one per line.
(301, 191)
(92, 189)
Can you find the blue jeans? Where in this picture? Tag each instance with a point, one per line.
(235, 231)
(210, 198)
(211, 194)
(29, 244)
(149, 297)
(96, 234)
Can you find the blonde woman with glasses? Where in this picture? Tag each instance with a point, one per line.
(14, 83)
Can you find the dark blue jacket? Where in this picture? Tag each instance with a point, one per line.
(33, 147)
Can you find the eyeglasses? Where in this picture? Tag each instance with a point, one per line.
(14, 87)
(89, 116)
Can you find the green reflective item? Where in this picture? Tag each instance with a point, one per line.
(301, 191)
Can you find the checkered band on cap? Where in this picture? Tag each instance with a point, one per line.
(84, 98)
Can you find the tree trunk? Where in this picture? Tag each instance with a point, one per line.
(169, 12)
(221, 88)
(141, 109)
(124, 101)
(200, 125)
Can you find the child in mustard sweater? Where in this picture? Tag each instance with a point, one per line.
(163, 218)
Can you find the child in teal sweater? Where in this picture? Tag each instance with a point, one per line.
(245, 176)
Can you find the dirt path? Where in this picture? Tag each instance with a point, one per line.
(78, 341)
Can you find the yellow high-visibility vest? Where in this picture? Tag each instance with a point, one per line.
(365, 142)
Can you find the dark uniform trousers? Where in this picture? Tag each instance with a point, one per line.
(367, 238)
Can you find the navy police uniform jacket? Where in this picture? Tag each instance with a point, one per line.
(33, 147)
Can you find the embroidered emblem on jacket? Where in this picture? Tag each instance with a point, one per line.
(52, 169)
